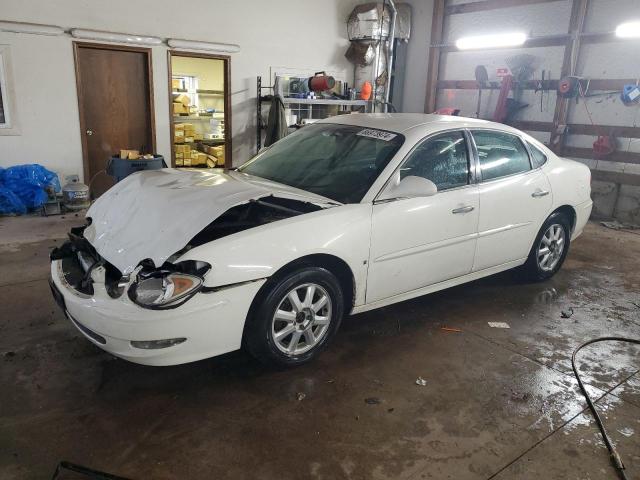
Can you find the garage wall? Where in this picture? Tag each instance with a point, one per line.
(279, 33)
(417, 54)
(613, 60)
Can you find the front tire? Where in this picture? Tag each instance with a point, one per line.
(295, 318)
(549, 249)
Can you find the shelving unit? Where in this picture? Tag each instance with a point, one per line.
(306, 102)
(199, 148)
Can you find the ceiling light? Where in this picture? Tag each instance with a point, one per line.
(628, 30)
(491, 41)
(33, 28)
(115, 37)
(209, 46)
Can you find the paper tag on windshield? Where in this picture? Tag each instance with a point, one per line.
(379, 134)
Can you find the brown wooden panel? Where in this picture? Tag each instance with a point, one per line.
(473, 85)
(490, 5)
(115, 103)
(616, 177)
(532, 126)
(593, 84)
(580, 129)
(437, 28)
(617, 157)
(569, 62)
(615, 130)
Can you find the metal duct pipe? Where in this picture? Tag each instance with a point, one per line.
(392, 33)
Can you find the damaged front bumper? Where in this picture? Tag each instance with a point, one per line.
(209, 324)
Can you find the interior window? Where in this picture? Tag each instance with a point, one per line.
(443, 160)
(537, 157)
(500, 154)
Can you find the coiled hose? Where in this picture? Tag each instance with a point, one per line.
(614, 456)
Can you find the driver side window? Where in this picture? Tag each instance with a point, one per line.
(443, 159)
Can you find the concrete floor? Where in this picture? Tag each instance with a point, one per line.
(499, 403)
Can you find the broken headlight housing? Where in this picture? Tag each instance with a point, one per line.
(169, 286)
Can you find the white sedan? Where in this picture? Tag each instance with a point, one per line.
(346, 215)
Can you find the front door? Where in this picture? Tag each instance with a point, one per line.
(515, 199)
(417, 242)
(114, 99)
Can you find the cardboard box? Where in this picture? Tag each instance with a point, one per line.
(186, 162)
(182, 149)
(179, 162)
(198, 137)
(188, 140)
(176, 83)
(130, 154)
(201, 159)
(178, 127)
(179, 108)
(183, 99)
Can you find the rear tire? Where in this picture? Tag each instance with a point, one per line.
(549, 249)
(295, 318)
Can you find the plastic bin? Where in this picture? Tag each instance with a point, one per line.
(120, 168)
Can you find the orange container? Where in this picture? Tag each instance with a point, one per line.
(365, 93)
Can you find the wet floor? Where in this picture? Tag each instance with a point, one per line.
(498, 403)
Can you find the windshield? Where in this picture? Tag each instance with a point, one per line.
(339, 162)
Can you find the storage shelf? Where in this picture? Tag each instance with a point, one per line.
(324, 101)
(180, 118)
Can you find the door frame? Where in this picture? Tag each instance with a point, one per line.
(227, 100)
(80, 92)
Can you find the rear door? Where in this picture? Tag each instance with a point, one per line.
(417, 242)
(515, 199)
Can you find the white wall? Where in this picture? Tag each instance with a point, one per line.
(415, 81)
(284, 33)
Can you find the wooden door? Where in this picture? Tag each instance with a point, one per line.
(115, 103)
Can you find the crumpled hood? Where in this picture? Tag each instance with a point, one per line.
(154, 214)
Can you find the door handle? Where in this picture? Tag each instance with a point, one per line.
(89, 132)
(465, 209)
(540, 193)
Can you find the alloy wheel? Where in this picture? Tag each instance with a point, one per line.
(551, 247)
(302, 319)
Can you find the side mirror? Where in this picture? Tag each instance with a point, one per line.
(408, 187)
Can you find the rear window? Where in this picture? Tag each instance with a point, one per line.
(537, 157)
(500, 154)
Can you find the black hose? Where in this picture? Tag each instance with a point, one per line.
(614, 456)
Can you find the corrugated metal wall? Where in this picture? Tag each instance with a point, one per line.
(613, 60)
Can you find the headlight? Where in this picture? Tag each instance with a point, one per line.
(169, 286)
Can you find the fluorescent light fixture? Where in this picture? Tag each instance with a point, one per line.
(628, 30)
(114, 37)
(209, 46)
(491, 41)
(33, 28)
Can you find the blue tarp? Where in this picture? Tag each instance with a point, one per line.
(22, 188)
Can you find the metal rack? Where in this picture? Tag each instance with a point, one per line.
(295, 101)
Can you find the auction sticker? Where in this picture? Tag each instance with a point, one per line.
(379, 134)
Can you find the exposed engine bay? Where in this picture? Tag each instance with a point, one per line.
(79, 257)
(250, 215)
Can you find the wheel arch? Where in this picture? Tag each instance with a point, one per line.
(569, 211)
(332, 263)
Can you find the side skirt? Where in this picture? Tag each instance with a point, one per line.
(438, 286)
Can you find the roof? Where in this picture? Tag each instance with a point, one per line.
(401, 122)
